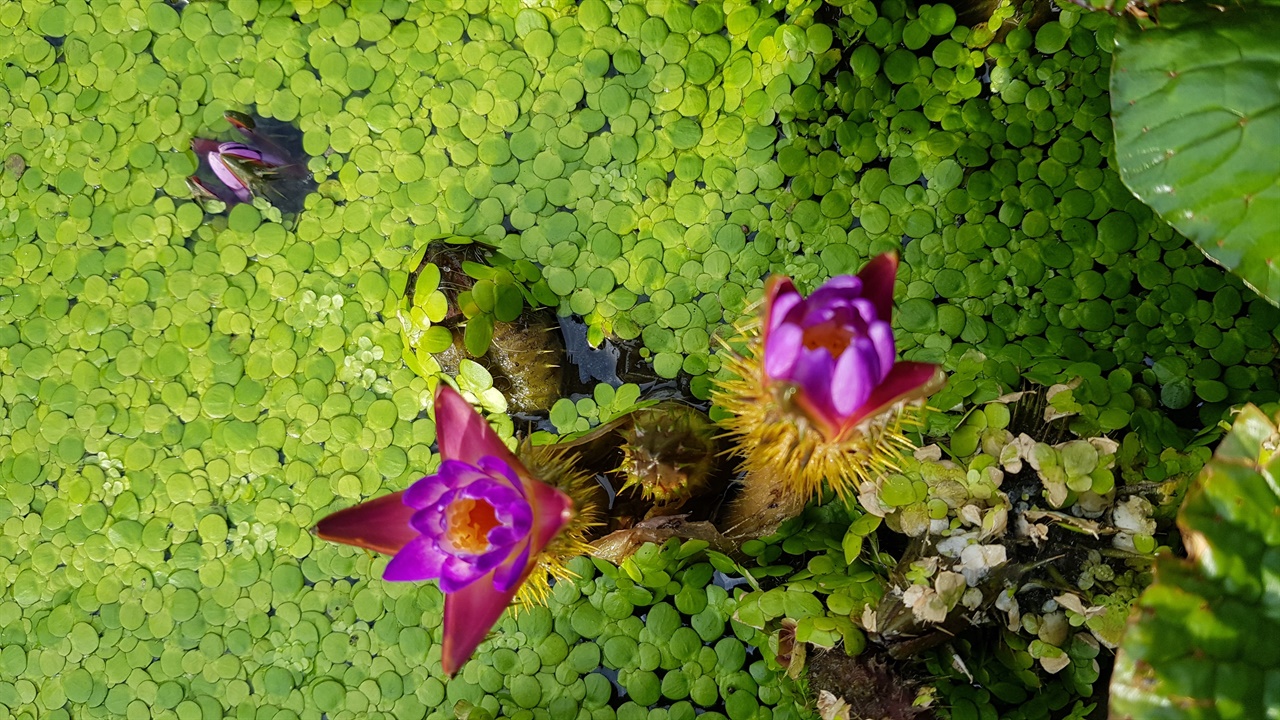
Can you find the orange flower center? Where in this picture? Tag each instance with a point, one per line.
(830, 336)
(469, 523)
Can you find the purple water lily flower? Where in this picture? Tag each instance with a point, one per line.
(229, 186)
(242, 169)
(836, 347)
(272, 154)
(470, 519)
(226, 172)
(478, 524)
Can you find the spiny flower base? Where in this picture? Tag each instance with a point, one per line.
(668, 453)
(558, 468)
(762, 505)
(778, 442)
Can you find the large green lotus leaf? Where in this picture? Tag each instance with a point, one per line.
(1196, 105)
(1204, 641)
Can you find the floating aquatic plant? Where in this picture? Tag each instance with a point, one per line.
(669, 451)
(1033, 536)
(823, 587)
(126, 319)
(818, 395)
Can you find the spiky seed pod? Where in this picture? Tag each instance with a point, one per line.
(777, 440)
(558, 468)
(526, 358)
(763, 503)
(668, 452)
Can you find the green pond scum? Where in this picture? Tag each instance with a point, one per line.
(185, 389)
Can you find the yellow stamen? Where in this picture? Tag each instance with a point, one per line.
(559, 468)
(469, 522)
(830, 336)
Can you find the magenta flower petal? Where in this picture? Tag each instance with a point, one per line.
(422, 495)
(777, 292)
(472, 527)
(203, 147)
(381, 525)
(848, 376)
(783, 305)
(877, 282)
(512, 532)
(866, 310)
(906, 380)
(469, 614)
(881, 336)
(496, 468)
(432, 520)
(472, 611)
(814, 369)
(869, 359)
(837, 297)
(552, 510)
(421, 559)
(842, 283)
(510, 574)
(206, 153)
(236, 164)
(262, 152)
(458, 573)
(853, 376)
(782, 349)
(813, 374)
(462, 434)
(482, 522)
(510, 509)
(240, 151)
(229, 177)
(268, 152)
(223, 171)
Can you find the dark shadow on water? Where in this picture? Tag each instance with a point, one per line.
(288, 191)
(616, 362)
